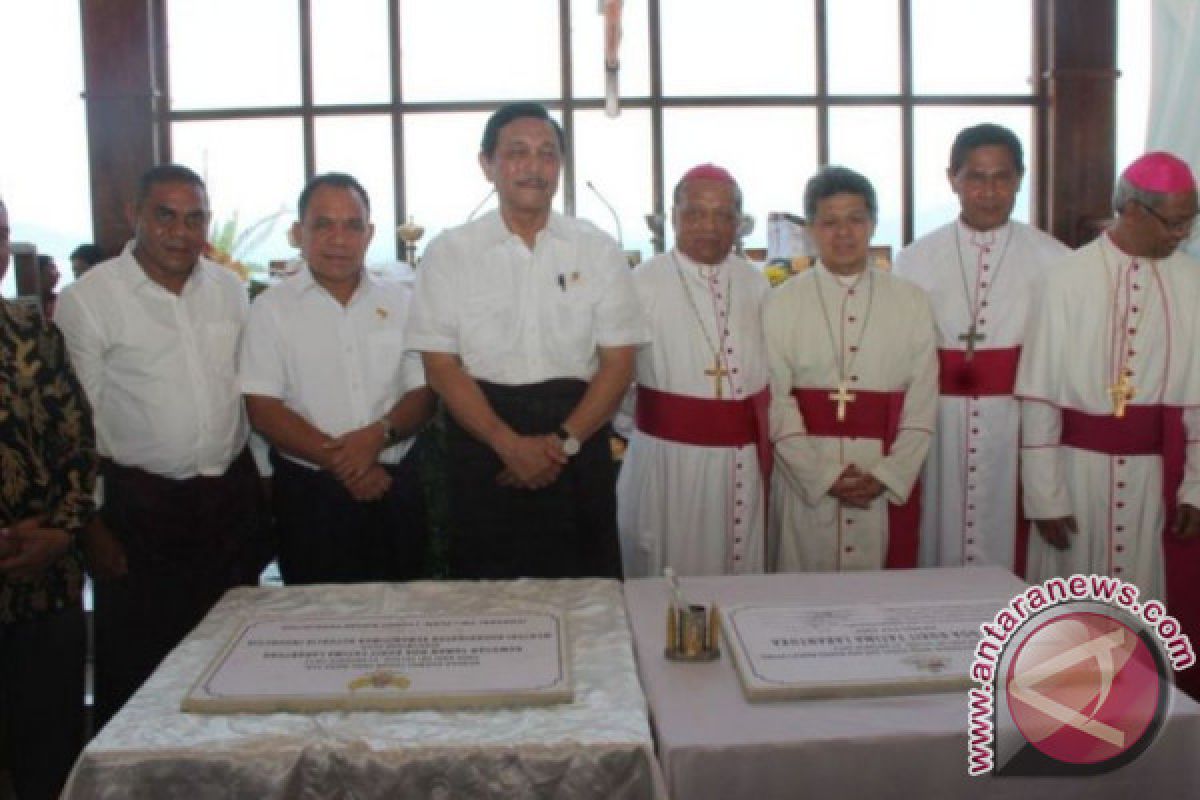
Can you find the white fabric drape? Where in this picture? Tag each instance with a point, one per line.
(1173, 123)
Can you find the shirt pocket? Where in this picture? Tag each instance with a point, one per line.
(572, 321)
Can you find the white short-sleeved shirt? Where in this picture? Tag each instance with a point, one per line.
(159, 369)
(518, 316)
(339, 367)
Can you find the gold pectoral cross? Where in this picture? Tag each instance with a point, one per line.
(971, 337)
(717, 373)
(1122, 392)
(841, 397)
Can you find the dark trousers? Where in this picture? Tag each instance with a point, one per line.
(186, 542)
(326, 536)
(41, 694)
(566, 530)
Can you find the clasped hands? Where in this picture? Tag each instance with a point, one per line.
(856, 488)
(531, 462)
(28, 547)
(353, 458)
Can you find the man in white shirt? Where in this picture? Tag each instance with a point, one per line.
(853, 394)
(527, 323)
(153, 336)
(329, 385)
(691, 490)
(981, 272)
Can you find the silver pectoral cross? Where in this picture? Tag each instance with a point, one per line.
(971, 337)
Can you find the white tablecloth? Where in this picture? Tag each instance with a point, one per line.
(599, 746)
(713, 744)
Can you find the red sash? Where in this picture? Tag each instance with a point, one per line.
(1153, 430)
(707, 422)
(989, 373)
(872, 415)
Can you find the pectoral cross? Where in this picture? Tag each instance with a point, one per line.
(971, 337)
(717, 373)
(841, 397)
(1122, 392)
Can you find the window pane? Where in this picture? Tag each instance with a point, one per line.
(587, 50)
(468, 50)
(44, 177)
(254, 170)
(230, 53)
(362, 147)
(863, 59)
(443, 182)
(972, 46)
(1133, 87)
(614, 154)
(770, 151)
(761, 47)
(934, 130)
(350, 51)
(867, 140)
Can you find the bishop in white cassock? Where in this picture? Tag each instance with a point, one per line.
(1110, 383)
(691, 492)
(853, 394)
(981, 272)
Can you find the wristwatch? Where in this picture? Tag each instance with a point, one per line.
(391, 436)
(570, 445)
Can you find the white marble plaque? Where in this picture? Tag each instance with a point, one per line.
(325, 663)
(785, 652)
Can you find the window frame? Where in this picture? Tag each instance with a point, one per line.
(567, 104)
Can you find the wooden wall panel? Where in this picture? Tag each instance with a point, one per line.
(120, 97)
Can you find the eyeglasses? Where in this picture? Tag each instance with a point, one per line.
(1181, 227)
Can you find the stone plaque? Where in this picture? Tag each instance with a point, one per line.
(324, 663)
(785, 652)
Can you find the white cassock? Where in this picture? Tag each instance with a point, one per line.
(699, 509)
(969, 485)
(877, 335)
(1102, 310)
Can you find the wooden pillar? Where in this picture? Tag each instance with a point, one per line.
(121, 99)
(1081, 89)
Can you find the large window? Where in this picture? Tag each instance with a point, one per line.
(43, 140)
(396, 92)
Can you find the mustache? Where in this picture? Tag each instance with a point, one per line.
(533, 183)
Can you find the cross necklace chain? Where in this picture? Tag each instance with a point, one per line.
(1122, 390)
(976, 303)
(843, 395)
(719, 371)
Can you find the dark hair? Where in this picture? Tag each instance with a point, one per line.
(44, 260)
(337, 180)
(831, 180)
(515, 111)
(167, 173)
(89, 254)
(983, 135)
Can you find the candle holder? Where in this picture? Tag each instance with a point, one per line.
(411, 233)
(692, 632)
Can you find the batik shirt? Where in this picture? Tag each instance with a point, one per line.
(47, 456)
